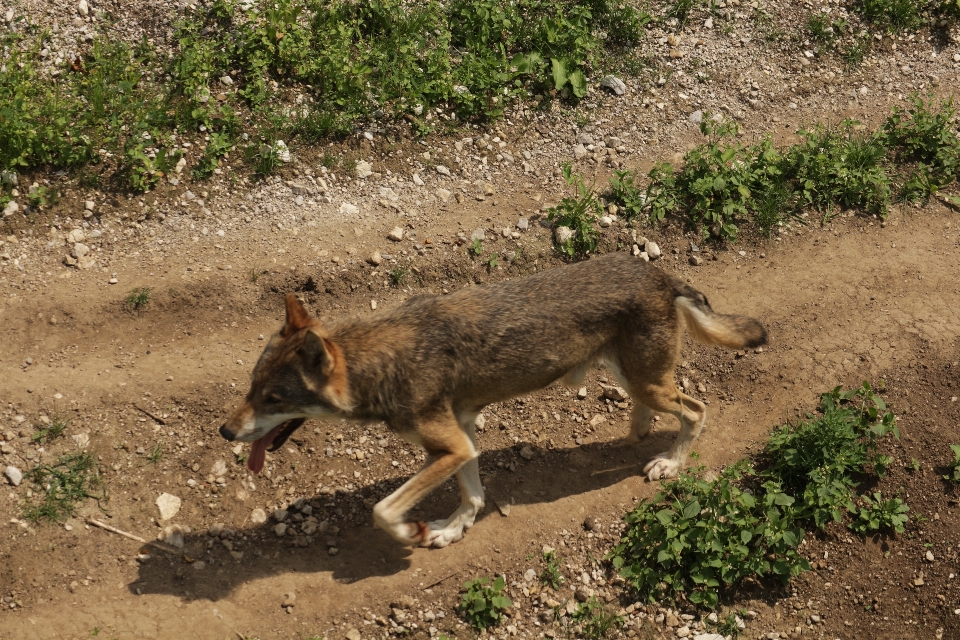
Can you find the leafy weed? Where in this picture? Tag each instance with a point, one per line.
(483, 604)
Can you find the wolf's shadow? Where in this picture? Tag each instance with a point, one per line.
(209, 570)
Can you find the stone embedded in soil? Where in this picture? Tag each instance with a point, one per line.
(280, 515)
(349, 209)
(478, 234)
(615, 84)
(280, 530)
(289, 600)
(375, 259)
(14, 476)
(169, 505)
(396, 234)
(173, 535)
(696, 261)
(652, 249)
(523, 224)
(364, 169)
(562, 234)
(11, 208)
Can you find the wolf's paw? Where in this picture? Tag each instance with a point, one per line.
(661, 467)
(440, 534)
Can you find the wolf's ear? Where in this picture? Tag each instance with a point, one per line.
(315, 353)
(297, 316)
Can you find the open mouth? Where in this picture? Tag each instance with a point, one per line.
(271, 442)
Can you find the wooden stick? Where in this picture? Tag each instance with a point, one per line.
(152, 543)
(432, 585)
(107, 527)
(159, 420)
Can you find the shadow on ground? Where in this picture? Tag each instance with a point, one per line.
(208, 570)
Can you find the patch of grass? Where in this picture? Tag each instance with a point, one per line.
(728, 625)
(257, 272)
(138, 299)
(892, 15)
(51, 431)
(483, 603)
(578, 213)
(593, 620)
(60, 487)
(954, 467)
(880, 514)
(156, 453)
(551, 575)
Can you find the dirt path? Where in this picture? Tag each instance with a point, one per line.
(843, 304)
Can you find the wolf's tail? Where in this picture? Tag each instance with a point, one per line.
(710, 327)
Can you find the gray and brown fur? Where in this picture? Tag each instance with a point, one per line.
(428, 367)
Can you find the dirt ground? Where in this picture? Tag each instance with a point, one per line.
(146, 390)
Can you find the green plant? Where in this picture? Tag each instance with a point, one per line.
(156, 453)
(840, 166)
(51, 431)
(37, 197)
(257, 272)
(220, 144)
(954, 467)
(626, 194)
(594, 621)
(680, 9)
(550, 575)
(483, 603)
(925, 137)
(893, 15)
(138, 298)
(492, 261)
(476, 247)
(399, 275)
(877, 514)
(697, 537)
(61, 486)
(818, 459)
(728, 625)
(578, 214)
(914, 465)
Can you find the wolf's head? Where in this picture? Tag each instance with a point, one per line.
(300, 374)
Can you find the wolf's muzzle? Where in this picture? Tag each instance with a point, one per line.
(226, 433)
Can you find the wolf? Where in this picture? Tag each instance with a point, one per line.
(429, 367)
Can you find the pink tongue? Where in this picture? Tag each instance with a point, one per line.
(258, 450)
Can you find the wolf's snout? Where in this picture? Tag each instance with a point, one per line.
(226, 433)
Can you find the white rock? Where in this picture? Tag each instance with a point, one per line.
(643, 256)
(585, 138)
(523, 224)
(417, 180)
(364, 169)
(82, 440)
(708, 23)
(582, 393)
(11, 208)
(444, 195)
(396, 234)
(652, 250)
(605, 221)
(283, 153)
(14, 475)
(169, 505)
(349, 209)
(929, 556)
(442, 170)
(696, 117)
(218, 469)
(258, 516)
(83, 8)
(181, 163)
(89, 205)
(617, 394)
(227, 80)
(579, 152)
(478, 234)
(80, 250)
(76, 235)
(529, 575)
(375, 259)
(615, 84)
(562, 234)
(173, 535)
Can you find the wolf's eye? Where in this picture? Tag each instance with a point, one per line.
(274, 398)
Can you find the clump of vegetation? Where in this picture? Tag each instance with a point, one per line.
(699, 537)
(156, 453)
(819, 459)
(550, 575)
(594, 621)
(398, 275)
(138, 299)
(579, 214)
(56, 427)
(879, 514)
(234, 67)
(60, 487)
(954, 467)
(483, 604)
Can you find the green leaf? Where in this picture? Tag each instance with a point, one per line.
(578, 82)
(691, 510)
(745, 536)
(559, 73)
